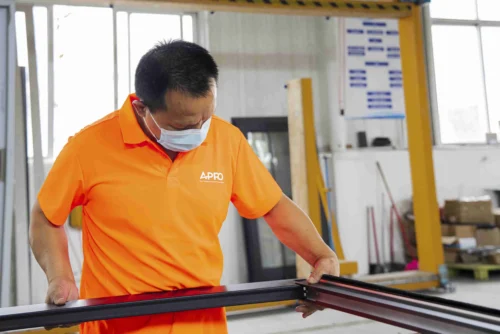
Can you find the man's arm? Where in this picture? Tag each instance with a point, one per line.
(296, 230)
(50, 247)
(49, 244)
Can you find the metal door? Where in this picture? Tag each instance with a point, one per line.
(267, 257)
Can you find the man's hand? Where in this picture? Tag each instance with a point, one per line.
(61, 290)
(324, 266)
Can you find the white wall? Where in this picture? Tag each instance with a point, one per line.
(458, 172)
(257, 56)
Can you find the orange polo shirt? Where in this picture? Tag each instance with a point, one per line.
(150, 224)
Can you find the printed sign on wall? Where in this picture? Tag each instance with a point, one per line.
(373, 77)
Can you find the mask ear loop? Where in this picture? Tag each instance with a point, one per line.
(146, 122)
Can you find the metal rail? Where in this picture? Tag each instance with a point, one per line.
(425, 314)
(42, 315)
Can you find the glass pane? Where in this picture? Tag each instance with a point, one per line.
(460, 91)
(270, 247)
(187, 28)
(21, 44)
(146, 30)
(22, 61)
(42, 62)
(124, 87)
(273, 150)
(41, 47)
(450, 9)
(491, 53)
(83, 69)
(489, 10)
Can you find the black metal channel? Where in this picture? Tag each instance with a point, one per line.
(415, 297)
(42, 315)
(414, 312)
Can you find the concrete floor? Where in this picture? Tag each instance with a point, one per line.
(285, 321)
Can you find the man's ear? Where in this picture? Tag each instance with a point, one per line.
(139, 107)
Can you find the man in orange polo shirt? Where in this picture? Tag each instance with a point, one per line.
(155, 180)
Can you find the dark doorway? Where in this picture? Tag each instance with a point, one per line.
(267, 257)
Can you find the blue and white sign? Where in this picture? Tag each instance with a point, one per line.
(374, 80)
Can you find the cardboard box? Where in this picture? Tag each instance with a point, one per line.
(459, 231)
(473, 211)
(466, 231)
(494, 258)
(470, 257)
(451, 256)
(496, 213)
(446, 230)
(488, 237)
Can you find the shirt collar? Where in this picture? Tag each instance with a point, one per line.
(131, 130)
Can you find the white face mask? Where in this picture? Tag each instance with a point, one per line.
(182, 140)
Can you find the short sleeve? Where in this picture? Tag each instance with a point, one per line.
(63, 188)
(255, 192)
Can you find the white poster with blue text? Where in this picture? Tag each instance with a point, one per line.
(373, 77)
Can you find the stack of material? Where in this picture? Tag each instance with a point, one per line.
(470, 232)
(496, 213)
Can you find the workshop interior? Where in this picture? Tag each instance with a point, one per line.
(379, 119)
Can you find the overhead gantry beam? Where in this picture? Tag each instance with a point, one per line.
(355, 8)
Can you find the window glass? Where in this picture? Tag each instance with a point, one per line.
(489, 10)
(41, 49)
(454, 9)
(460, 90)
(187, 28)
(42, 63)
(147, 30)
(124, 87)
(491, 54)
(83, 69)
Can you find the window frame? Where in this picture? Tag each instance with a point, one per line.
(477, 23)
(129, 9)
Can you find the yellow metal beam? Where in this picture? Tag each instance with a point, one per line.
(308, 189)
(427, 223)
(418, 286)
(353, 8)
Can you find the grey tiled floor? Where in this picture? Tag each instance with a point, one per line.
(286, 321)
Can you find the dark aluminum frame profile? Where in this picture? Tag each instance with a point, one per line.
(42, 315)
(424, 314)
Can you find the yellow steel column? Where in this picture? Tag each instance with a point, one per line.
(427, 223)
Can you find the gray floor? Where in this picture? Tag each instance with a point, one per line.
(326, 322)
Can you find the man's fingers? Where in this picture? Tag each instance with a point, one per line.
(309, 304)
(315, 276)
(307, 314)
(302, 309)
(59, 298)
(73, 295)
(308, 308)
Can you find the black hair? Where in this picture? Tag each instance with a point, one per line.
(174, 66)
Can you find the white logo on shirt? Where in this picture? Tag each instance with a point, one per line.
(212, 177)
